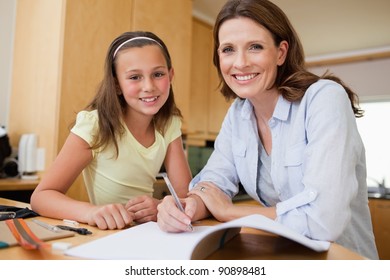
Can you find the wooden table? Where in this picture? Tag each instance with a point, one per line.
(249, 244)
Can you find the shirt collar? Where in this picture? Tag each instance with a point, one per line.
(282, 109)
(247, 110)
(281, 112)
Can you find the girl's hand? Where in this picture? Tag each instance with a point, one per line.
(171, 219)
(110, 216)
(144, 208)
(217, 202)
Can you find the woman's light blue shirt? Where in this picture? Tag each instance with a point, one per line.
(318, 167)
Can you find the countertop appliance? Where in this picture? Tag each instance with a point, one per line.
(27, 156)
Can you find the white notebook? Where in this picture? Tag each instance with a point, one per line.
(148, 242)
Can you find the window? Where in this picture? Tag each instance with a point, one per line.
(374, 129)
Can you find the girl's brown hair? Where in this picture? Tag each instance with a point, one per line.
(109, 101)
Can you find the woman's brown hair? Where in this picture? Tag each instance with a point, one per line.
(292, 79)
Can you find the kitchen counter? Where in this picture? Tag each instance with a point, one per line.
(15, 184)
(379, 192)
(378, 196)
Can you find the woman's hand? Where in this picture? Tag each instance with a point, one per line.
(110, 216)
(171, 219)
(217, 202)
(144, 208)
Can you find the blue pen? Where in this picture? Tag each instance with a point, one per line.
(173, 193)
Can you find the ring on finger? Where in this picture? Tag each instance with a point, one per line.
(202, 189)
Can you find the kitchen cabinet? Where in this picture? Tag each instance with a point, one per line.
(171, 20)
(380, 215)
(59, 54)
(207, 105)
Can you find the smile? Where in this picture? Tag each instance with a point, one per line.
(150, 99)
(245, 77)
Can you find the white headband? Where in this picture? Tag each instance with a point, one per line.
(133, 39)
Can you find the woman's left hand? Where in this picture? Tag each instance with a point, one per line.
(144, 208)
(217, 202)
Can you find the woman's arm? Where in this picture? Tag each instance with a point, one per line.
(221, 206)
(323, 173)
(171, 219)
(203, 200)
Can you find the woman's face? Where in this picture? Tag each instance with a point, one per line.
(248, 56)
(144, 78)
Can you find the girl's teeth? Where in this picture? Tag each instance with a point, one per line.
(149, 99)
(245, 78)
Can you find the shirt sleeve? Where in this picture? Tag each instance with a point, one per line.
(220, 168)
(86, 126)
(328, 165)
(174, 130)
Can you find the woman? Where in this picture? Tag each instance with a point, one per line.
(290, 137)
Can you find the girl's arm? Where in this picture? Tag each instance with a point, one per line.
(177, 167)
(169, 217)
(49, 198)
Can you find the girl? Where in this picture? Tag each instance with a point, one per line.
(290, 138)
(120, 141)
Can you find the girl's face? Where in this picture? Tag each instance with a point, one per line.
(144, 78)
(248, 57)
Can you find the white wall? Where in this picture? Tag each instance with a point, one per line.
(7, 26)
(369, 79)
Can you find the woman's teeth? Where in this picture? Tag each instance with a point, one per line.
(245, 77)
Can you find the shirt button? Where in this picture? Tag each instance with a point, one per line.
(312, 194)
